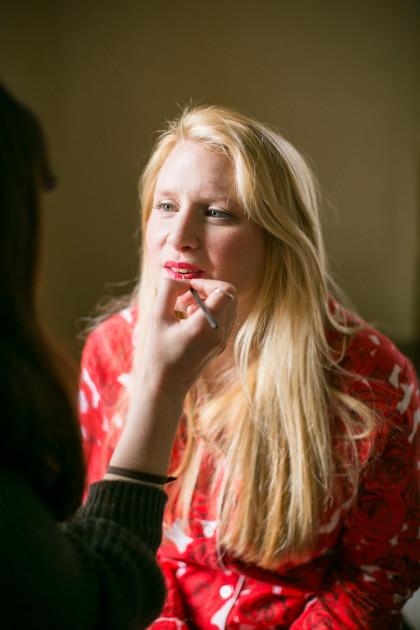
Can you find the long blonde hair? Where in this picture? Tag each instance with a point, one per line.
(273, 431)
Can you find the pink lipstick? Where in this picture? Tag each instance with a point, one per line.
(183, 270)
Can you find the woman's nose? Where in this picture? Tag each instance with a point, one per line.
(183, 233)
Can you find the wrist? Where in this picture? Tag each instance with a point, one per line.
(136, 475)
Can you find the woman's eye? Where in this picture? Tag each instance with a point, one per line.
(214, 213)
(165, 206)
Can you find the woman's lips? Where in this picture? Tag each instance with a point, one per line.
(182, 270)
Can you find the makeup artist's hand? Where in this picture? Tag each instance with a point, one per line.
(176, 352)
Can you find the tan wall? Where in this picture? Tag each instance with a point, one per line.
(339, 77)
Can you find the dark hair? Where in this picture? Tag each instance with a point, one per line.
(40, 431)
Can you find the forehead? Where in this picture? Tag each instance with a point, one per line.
(194, 165)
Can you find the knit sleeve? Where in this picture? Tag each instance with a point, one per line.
(97, 570)
(121, 524)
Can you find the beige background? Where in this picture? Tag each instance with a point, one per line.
(339, 77)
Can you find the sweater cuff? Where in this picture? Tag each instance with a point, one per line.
(138, 507)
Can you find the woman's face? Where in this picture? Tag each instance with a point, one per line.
(197, 227)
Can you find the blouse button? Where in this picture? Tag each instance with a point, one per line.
(226, 591)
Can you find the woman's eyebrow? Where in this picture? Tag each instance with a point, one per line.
(206, 198)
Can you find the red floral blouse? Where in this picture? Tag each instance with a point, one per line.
(367, 560)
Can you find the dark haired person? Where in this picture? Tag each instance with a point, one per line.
(97, 569)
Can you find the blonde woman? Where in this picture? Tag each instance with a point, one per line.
(297, 491)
